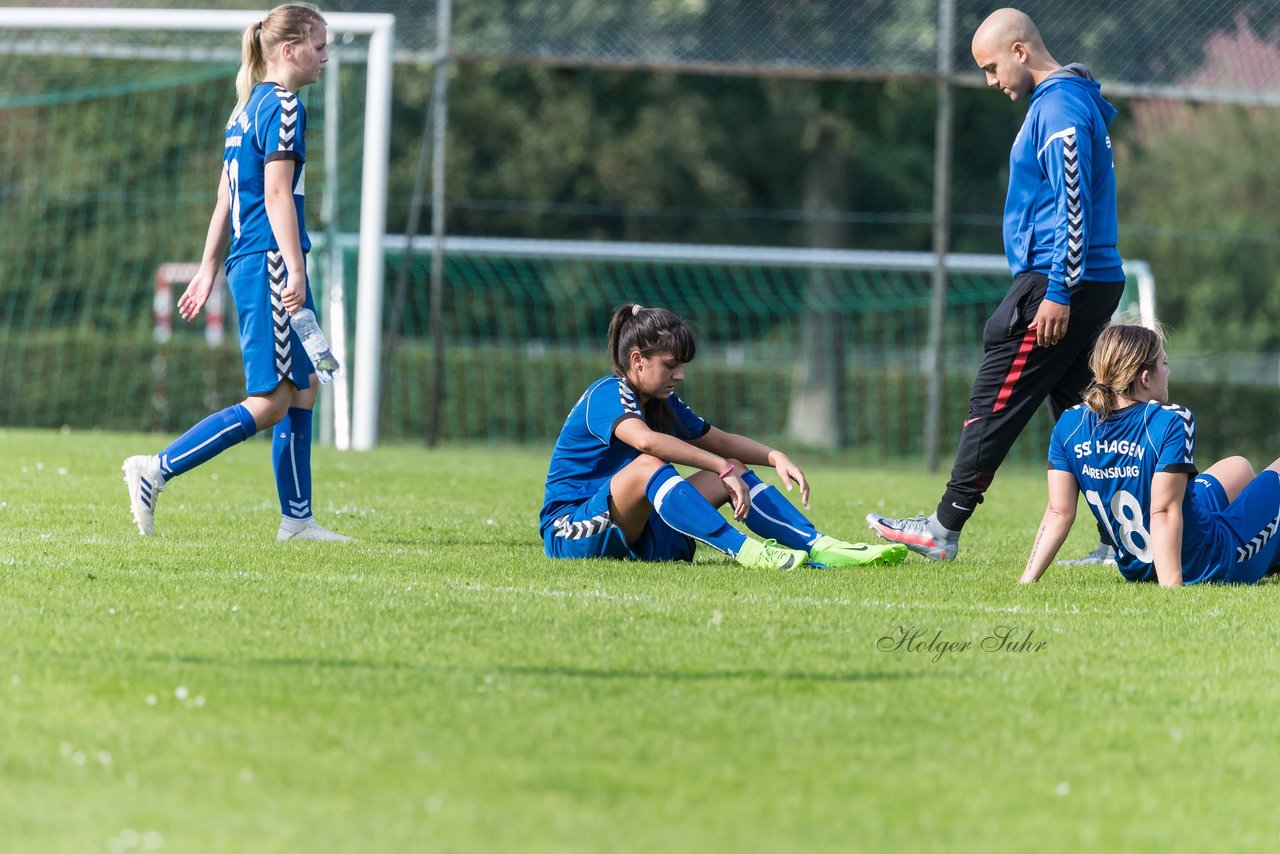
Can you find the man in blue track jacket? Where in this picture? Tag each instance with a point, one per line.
(1060, 239)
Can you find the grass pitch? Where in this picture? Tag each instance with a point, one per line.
(441, 686)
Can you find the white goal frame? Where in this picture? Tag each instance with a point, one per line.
(380, 28)
(867, 259)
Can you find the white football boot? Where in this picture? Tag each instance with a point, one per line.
(145, 482)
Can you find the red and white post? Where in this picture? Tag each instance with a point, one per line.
(167, 276)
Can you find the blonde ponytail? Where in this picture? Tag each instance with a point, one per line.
(290, 23)
(253, 65)
(1119, 355)
(1101, 398)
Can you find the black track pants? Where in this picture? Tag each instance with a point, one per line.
(1016, 376)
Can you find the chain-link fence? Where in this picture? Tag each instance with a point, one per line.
(1204, 48)
(1197, 49)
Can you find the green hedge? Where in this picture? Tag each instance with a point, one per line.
(512, 394)
(86, 379)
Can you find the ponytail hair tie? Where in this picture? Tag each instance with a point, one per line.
(636, 309)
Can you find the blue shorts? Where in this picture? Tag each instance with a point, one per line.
(586, 531)
(1245, 529)
(271, 350)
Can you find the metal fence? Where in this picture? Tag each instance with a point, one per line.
(1218, 50)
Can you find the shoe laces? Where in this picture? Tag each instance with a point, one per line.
(774, 553)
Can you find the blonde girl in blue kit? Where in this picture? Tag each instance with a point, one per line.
(259, 214)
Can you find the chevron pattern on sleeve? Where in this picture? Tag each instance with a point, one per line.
(628, 398)
(288, 118)
(1075, 212)
(1188, 425)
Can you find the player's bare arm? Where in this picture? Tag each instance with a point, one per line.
(638, 435)
(215, 245)
(1059, 516)
(756, 453)
(278, 184)
(1167, 491)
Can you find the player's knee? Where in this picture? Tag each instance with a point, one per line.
(305, 398)
(1239, 467)
(646, 465)
(634, 478)
(269, 411)
(273, 417)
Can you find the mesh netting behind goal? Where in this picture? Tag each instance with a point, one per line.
(110, 149)
(110, 168)
(524, 324)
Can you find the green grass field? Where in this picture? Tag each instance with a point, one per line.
(441, 686)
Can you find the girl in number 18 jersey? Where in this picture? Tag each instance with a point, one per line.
(1132, 454)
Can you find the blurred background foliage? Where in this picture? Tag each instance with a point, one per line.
(745, 122)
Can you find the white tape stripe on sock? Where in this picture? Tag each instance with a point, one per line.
(293, 463)
(210, 440)
(661, 495)
(755, 509)
(760, 487)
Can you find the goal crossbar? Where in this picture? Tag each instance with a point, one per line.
(922, 262)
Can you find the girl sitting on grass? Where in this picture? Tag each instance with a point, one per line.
(612, 490)
(1132, 453)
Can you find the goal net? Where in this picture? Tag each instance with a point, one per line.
(784, 336)
(111, 134)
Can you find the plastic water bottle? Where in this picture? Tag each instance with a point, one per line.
(317, 346)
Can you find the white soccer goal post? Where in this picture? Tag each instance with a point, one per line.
(380, 30)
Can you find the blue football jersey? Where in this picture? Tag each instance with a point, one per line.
(587, 454)
(271, 126)
(1114, 461)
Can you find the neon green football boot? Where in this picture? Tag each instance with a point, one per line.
(768, 555)
(833, 553)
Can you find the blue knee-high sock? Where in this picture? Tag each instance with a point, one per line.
(291, 458)
(773, 517)
(206, 440)
(681, 506)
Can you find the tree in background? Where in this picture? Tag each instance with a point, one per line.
(1193, 185)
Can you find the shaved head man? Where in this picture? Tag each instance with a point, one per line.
(1009, 50)
(1060, 240)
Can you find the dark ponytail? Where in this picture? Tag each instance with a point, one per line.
(651, 331)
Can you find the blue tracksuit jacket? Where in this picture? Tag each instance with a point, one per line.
(1060, 213)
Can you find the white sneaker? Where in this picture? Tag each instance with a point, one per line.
(308, 529)
(145, 482)
(1103, 555)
